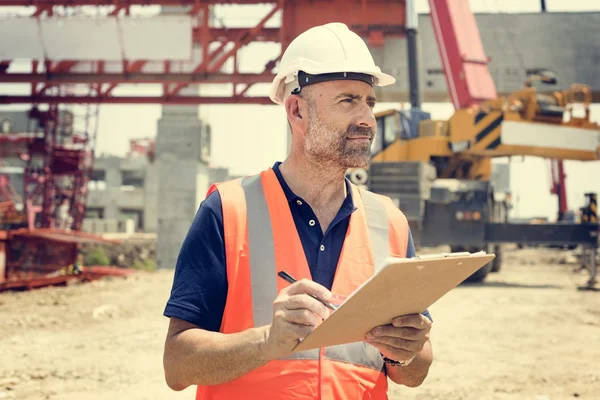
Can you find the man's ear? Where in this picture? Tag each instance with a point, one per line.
(293, 108)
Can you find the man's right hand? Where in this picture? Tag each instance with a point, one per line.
(295, 315)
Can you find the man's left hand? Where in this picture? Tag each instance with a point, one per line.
(403, 339)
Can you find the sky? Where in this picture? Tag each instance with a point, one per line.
(248, 138)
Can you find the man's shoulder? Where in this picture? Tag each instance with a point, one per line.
(212, 202)
(227, 197)
(208, 218)
(214, 195)
(221, 186)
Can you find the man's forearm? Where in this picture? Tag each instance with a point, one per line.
(198, 357)
(414, 373)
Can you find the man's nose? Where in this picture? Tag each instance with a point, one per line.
(366, 116)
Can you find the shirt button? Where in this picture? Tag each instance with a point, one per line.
(299, 202)
(311, 222)
(322, 248)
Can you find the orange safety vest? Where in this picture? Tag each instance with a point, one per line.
(260, 239)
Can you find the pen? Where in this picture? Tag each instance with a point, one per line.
(290, 279)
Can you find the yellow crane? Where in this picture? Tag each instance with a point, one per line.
(441, 177)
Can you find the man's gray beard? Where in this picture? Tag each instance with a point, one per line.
(340, 153)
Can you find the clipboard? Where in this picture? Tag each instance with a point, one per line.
(402, 286)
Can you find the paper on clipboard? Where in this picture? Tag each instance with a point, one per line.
(402, 286)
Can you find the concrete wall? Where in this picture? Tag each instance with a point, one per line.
(515, 42)
(18, 122)
(151, 201)
(216, 175)
(101, 226)
(114, 198)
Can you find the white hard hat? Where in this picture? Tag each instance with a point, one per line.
(325, 52)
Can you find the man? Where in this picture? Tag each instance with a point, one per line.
(62, 214)
(233, 322)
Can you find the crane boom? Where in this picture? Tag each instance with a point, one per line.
(461, 51)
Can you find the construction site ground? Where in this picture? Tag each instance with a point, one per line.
(526, 333)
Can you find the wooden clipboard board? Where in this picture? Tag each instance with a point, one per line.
(403, 286)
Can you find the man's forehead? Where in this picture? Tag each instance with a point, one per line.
(340, 87)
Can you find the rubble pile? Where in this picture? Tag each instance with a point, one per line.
(138, 253)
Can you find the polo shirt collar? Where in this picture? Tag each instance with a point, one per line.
(293, 198)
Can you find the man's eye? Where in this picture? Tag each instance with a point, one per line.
(371, 104)
(349, 100)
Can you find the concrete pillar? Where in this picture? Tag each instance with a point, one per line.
(216, 175)
(113, 179)
(182, 177)
(151, 197)
(182, 174)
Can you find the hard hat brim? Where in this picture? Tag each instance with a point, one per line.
(279, 82)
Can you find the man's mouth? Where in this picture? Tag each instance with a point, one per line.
(360, 138)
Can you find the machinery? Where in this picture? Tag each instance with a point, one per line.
(40, 225)
(439, 172)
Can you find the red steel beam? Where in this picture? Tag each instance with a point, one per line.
(4, 64)
(128, 68)
(266, 74)
(179, 100)
(202, 67)
(40, 10)
(231, 34)
(118, 9)
(136, 77)
(385, 17)
(62, 66)
(243, 39)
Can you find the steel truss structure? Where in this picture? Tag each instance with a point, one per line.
(57, 165)
(373, 19)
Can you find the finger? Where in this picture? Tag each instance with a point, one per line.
(418, 321)
(402, 333)
(413, 346)
(304, 301)
(299, 331)
(394, 353)
(309, 287)
(302, 317)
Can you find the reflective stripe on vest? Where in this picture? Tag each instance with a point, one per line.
(262, 259)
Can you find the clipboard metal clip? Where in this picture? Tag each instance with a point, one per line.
(448, 255)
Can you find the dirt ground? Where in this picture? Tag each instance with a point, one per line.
(527, 333)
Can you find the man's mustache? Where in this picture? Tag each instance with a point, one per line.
(360, 131)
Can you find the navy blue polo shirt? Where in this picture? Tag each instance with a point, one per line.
(200, 283)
